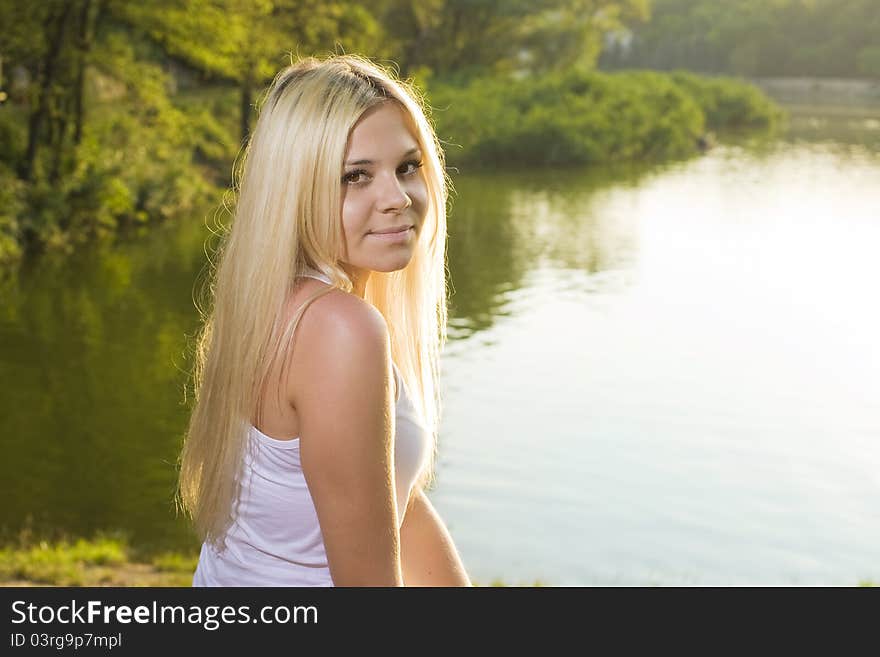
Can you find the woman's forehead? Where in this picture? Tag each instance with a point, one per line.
(382, 132)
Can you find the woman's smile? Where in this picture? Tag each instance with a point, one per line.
(394, 236)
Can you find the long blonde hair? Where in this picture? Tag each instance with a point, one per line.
(288, 219)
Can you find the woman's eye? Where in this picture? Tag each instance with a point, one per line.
(411, 167)
(353, 177)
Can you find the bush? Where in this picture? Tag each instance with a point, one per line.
(580, 117)
(729, 104)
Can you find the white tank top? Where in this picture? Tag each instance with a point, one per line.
(275, 538)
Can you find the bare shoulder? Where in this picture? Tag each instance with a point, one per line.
(339, 337)
(339, 313)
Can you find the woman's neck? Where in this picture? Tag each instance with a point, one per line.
(359, 278)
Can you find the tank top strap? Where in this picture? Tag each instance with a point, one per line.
(310, 272)
(398, 382)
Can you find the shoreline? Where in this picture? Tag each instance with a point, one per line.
(831, 91)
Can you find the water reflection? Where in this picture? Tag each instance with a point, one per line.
(841, 125)
(505, 225)
(93, 365)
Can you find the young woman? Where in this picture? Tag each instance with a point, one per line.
(314, 429)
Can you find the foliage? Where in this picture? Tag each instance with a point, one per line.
(132, 164)
(578, 117)
(728, 103)
(245, 41)
(12, 206)
(462, 37)
(755, 38)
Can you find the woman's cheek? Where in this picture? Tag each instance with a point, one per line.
(419, 196)
(353, 215)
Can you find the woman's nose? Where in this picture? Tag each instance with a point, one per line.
(394, 197)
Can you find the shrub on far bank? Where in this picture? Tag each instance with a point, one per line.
(578, 117)
(728, 103)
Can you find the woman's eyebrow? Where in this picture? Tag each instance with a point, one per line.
(411, 151)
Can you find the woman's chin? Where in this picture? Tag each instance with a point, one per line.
(388, 269)
(389, 264)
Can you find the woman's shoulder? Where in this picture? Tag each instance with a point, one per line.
(338, 327)
(337, 315)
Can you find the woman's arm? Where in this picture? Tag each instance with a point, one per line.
(428, 555)
(346, 437)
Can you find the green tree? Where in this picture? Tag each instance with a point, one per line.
(39, 34)
(246, 41)
(465, 37)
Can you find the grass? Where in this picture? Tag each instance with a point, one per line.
(105, 560)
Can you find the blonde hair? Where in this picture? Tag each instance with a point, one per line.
(287, 219)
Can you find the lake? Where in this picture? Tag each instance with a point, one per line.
(656, 375)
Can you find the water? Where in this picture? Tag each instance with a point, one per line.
(665, 375)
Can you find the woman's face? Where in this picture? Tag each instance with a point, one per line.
(384, 195)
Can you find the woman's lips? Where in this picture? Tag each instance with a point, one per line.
(400, 234)
(397, 229)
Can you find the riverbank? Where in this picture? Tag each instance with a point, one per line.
(821, 91)
(102, 561)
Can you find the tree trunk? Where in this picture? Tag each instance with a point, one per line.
(60, 135)
(85, 46)
(38, 116)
